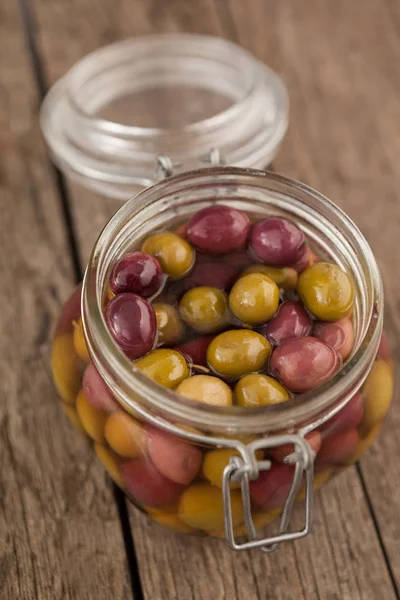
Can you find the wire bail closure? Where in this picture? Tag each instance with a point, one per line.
(246, 468)
(165, 167)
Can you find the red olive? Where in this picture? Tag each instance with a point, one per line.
(277, 242)
(304, 363)
(137, 272)
(291, 321)
(349, 417)
(96, 392)
(218, 229)
(132, 323)
(338, 334)
(147, 485)
(336, 448)
(195, 351)
(272, 487)
(173, 457)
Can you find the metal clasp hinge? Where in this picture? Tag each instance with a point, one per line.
(246, 467)
(165, 167)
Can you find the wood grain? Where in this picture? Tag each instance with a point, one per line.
(337, 74)
(60, 534)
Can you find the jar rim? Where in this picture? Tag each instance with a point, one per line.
(120, 159)
(114, 366)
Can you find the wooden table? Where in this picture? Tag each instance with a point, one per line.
(65, 533)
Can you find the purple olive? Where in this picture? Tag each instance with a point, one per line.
(302, 364)
(218, 229)
(211, 274)
(132, 323)
(195, 351)
(291, 321)
(338, 334)
(277, 242)
(137, 272)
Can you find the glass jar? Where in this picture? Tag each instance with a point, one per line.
(127, 114)
(203, 469)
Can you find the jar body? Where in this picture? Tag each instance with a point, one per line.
(174, 477)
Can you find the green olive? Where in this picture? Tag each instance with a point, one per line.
(205, 309)
(256, 390)
(254, 298)
(169, 325)
(175, 254)
(166, 367)
(284, 277)
(206, 389)
(326, 291)
(238, 352)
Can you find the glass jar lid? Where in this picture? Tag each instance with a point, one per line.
(132, 112)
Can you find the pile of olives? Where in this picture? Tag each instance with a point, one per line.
(227, 311)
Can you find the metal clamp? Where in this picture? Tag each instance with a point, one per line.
(165, 167)
(246, 467)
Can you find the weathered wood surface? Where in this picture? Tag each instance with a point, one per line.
(60, 535)
(339, 61)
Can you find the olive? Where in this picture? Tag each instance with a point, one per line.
(285, 277)
(110, 462)
(195, 351)
(254, 298)
(206, 389)
(326, 291)
(73, 416)
(80, 342)
(384, 347)
(125, 435)
(204, 309)
(338, 334)
(215, 462)
(304, 363)
(336, 448)
(170, 328)
(132, 323)
(136, 272)
(237, 352)
(378, 394)
(201, 506)
(92, 419)
(65, 367)
(349, 417)
(147, 485)
(218, 229)
(256, 390)
(210, 274)
(166, 367)
(291, 321)
(174, 253)
(270, 490)
(277, 242)
(173, 457)
(96, 392)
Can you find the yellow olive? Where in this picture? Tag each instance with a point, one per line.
(175, 254)
(169, 326)
(125, 435)
(110, 462)
(254, 298)
(166, 367)
(256, 389)
(93, 419)
(284, 277)
(204, 308)
(65, 368)
(215, 462)
(80, 342)
(201, 506)
(326, 291)
(378, 394)
(206, 389)
(238, 352)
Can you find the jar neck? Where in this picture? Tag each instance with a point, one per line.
(259, 194)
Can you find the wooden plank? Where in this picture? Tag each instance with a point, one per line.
(342, 559)
(60, 535)
(344, 139)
